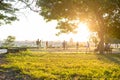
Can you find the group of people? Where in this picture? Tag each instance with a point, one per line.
(64, 44)
(77, 45)
(39, 42)
(106, 47)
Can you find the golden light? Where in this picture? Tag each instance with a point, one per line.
(83, 33)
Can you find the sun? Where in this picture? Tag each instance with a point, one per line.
(83, 33)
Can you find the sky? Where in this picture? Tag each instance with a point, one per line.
(29, 27)
(32, 26)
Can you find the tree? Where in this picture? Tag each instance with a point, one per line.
(103, 16)
(7, 12)
(9, 42)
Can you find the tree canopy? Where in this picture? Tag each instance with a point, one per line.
(7, 12)
(104, 14)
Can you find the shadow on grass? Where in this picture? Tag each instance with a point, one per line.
(11, 73)
(113, 58)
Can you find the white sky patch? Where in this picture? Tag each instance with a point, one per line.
(32, 26)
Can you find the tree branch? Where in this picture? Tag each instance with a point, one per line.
(29, 5)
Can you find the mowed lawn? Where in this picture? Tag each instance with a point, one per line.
(62, 66)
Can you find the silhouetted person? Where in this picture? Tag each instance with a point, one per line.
(64, 44)
(107, 47)
(77, 45)
(46, 44)
(38, 42)
(87, 46)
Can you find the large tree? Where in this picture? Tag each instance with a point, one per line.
(103, 16)
(7, 12)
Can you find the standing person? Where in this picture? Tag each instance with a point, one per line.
(37, 43)
(107, 48)
(46, 44)
(63, 44)
(87, 46)
(77, 45)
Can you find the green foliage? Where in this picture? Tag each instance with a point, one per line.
(101, 15)
(7, 12)
(65, 66)
(9, 42)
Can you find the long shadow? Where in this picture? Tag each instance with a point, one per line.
(115, 58)
(11, 73)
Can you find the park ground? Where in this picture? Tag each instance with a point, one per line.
(40, 65)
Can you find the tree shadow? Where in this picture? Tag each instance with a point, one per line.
(11, 73)
(113, 58)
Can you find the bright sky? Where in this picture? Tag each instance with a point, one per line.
(32, 26)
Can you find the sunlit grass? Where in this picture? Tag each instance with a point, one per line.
(65, 66)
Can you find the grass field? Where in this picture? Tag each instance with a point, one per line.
(61, 66)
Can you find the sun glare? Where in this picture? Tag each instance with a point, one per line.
(83, 33)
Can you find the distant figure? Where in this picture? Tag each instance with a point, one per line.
(116, 45)
(46, 44)
(87, 46)
(64, 44)
(107, 48)
(77, 45)
(38, 42)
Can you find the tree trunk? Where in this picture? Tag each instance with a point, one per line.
(101, 43)
(101, 32)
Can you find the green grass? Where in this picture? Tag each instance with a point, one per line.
(65, 66)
